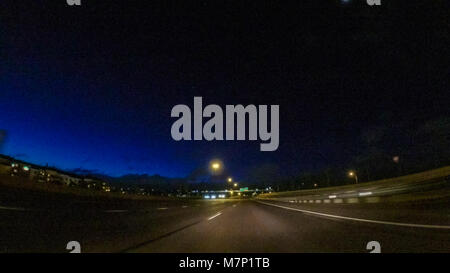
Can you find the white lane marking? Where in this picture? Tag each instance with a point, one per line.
(12, 208)
(162, 208)
(364, 193)
(234, 205)
(116, 210)
(359, 219)
(184, 207)
(214, 216)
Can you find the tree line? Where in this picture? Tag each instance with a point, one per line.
(383, 151)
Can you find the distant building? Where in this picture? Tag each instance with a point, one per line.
(12, 167)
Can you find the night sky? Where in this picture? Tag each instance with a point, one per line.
(92, 87)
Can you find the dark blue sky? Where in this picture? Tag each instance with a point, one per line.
(92, 87)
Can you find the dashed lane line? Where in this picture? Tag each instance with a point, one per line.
(214, 216)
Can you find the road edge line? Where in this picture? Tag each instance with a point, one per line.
(214, 216)
(358, 219)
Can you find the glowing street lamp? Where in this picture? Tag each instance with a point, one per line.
(215, 166)
(353, 174)
(235, 184)
(230, 179)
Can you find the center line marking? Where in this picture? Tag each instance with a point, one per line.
(358, 219)
(214, 216)
(162, 208)
(184, 207)
(12, 208)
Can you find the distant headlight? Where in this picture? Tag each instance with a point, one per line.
(206, 197)
(213, 197)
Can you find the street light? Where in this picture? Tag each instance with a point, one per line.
(353, 174)
(230, 179)
(235, 184)
(215, 166)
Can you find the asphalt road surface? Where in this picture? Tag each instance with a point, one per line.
(46, 223)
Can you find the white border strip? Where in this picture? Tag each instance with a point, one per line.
(12, 208)
(214, 216)
(358, 219)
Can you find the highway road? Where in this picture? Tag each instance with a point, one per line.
(38, 222)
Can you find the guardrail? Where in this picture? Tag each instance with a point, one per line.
(368, 191)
